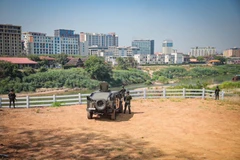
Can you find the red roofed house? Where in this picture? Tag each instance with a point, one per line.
(21, 62)
(50, 61)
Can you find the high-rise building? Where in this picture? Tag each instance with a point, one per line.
(67, 42)
(167, 46)
(10, 40)
(64, 41)
(38, 43)
(96, 39)
(232, 52)
(145, 46)
(99, 39)
(202, 51)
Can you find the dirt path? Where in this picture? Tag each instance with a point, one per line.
(162, 129)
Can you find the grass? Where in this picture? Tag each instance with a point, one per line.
(38, 110)
(56, 104)
(235, 100)
(176, 100)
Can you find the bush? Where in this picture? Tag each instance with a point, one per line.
(148, 82)
(28, 71)
(163, 79)
(43, 69)
(131, 76)
(56, 104)
(230, 85)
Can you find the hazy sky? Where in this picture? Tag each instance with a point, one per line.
(188, 23)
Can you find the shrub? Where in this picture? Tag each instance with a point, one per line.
(56, 104)
(163, 79)
(148, 82)
(43, 69)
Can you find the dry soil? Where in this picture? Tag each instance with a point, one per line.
(165, 129)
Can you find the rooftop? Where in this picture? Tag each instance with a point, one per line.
(16, 60)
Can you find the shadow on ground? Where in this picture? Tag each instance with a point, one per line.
(63, 144)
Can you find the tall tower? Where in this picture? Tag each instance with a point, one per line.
(145, 46)
(10, 40)
(167, 46)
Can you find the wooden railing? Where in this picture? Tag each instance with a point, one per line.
(41, 101)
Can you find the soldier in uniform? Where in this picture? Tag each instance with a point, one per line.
(12, 97)
(122, 91)
(217, 90)
(127, 100)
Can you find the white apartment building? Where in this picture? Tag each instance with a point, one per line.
(87, 40)
(99, 39)
(174, 58)
(178, 58)
(126, 51)
(140, 58)
(122, 51)
(202, 51)
(40, 43)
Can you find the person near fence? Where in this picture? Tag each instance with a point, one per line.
(12, 98)
(127, 100)
(217, 90)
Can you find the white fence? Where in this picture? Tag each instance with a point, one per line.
(41, 101)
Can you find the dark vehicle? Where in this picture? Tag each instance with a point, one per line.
(236, 78)
(104, 102)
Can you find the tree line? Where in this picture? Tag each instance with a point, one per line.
(95, 70)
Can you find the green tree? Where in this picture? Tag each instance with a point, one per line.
(125, 63)
(121, 63)
(221, 59)
(98, 69)
(200, 58)
(131, 62)
(28, 70)
(8, 69)
(34, 57)
(62, 58)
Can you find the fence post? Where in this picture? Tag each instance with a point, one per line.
(164, 93)
(0, 102)
(203, 93)
(54, 98)
(27, 101)
(144, 93)
(222, 95)
(184, 92)
(79, 98)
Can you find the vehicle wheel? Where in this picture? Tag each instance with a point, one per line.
(113, 115)
(101, 104)
(89, 115)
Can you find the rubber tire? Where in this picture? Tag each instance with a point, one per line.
(89, 115)
(101, 107)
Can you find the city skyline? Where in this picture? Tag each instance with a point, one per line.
(188, 23)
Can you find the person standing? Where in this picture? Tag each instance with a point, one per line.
(122, 91)
(217, 90)
(127, 100)
(12, 98)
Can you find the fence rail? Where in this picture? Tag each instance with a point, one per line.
(42, 101)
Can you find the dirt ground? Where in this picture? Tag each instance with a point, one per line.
(165, 129)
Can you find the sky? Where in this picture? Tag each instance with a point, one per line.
(188, 23)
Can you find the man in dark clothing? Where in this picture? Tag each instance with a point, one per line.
(217, 90)
(12, 97)
(127, 100)
(122, 91)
